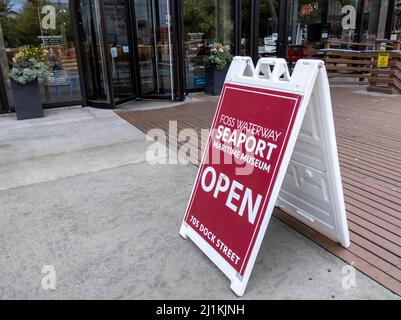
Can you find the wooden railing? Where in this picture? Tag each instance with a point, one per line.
(348, 60)
(387, 79)
(360, 61)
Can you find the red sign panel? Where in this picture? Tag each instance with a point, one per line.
(249, 137)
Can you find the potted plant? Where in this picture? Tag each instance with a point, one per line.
(28, 66)
(217, 64)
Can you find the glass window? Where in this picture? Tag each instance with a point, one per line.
(312, 22)
(306, 20)
(374, 20)
(205, 22)
(397, 17)
(46, 24)
(268, 24)
(245, 49)
(342, 17)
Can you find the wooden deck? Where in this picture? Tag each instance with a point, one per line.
(368, 129)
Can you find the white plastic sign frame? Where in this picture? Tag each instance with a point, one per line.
(308, 183)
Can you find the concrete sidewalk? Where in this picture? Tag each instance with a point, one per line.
(77, 193)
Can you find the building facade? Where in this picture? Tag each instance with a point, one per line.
(103, 53)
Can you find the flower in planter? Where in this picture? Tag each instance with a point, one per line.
(28, 65)
(219, 56)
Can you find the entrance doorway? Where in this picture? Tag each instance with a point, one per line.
(126, 50)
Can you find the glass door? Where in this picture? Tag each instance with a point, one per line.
(119, 44)
(154, 47)
(105, 37)
(246, 22)
(94, 56)
(126, 50)
(268, 28)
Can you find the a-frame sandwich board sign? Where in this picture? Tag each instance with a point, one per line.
(272, 143)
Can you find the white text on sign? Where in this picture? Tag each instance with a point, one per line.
(239, 197)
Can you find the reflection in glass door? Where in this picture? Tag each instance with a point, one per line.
(268, 28)
(246, 21)
(92, 50)
(119, 45)
(153, 29)
(126, 49)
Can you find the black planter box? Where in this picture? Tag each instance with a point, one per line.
(27, 100)
(215, 80)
